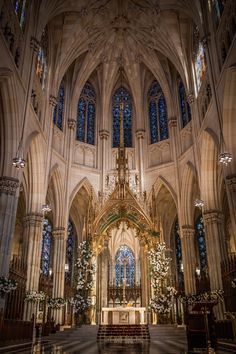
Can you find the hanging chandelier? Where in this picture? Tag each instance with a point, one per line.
(225, 158)
(18, 162)
(199, 203)
(46, 208)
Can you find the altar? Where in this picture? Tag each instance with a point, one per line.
(123, 315)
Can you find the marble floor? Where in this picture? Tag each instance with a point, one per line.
(164, 340)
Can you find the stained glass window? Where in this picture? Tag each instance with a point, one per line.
(157, 110)
(122, 95)
(59, 109)
(46, 247)
(178, 253)
(86, 115)
(41, 62)
(184, 105)
(200, 233)
(217, 10)
(20, 7)
(199, 59)
(70, 245)
(125, 264)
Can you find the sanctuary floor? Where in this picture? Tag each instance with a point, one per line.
(82, 340)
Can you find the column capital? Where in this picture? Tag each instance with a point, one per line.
(8, 185)
(104, 134)
(140, 133)
(52, 100)
(231, 182)
(172, 122)
(33, 219)
(71, 123)
(59, 233)
(34, 44)
(187, 231)
(212, 216)
(190, 98)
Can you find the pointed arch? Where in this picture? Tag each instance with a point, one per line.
(88, 187)
(55, 195)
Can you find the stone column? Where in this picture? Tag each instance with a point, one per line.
(104, 134)
(216, 250)
(189, 259)
(32, 254)
(59, 257)
(231, 194)
(145, 281)
(140, 136)
(8, 206)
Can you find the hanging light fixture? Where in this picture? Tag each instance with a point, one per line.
(225, 158)
(199, 203)
(46, 208)
(18, 161)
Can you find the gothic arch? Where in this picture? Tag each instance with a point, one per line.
(55, 195)
(209, 170)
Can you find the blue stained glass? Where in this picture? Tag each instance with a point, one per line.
(86, 115)
(81, 118)
(163, 118)
(122, 95)
(46, 247)
(200, 232)
(125, 256)
(178, 253)
(59, 109)
(184, 105)
(20, 7)
(153, 121)
(70, 245)
(218, 8)
(157, 111)
(91, 123)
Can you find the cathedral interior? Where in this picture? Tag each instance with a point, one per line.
(117, 166)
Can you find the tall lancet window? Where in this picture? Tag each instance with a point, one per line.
(200, 233)
(199, 59)
(217, 10)
(59, 109)
(46, 247)
(178, 253)
(125, 266)
(184, 105)
(70, 246)
(20, 7)
(122, 95)
(157, 110)
(86, 115)
(41, 61)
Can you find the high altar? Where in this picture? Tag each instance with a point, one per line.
(123, 315)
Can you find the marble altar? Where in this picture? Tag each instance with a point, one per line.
(123, 315)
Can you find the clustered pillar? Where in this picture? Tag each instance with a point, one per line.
(189, 259)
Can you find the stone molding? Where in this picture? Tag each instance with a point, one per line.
(190, 98)
(213, 216)
(71, 124)
(172, 122)
(231, 182)
(104, 134)
(34, 44)
(33, 219)
(8, 185)
(59, 233)
(52, 100)
(187, 231)
(140, 133)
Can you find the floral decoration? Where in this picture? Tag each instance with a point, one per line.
(162, 303)
(56, 303)
(85, 271)
(213, 295)
(7, 285)
(34, 296)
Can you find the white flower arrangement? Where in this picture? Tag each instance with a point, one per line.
(86, 270)
(34, 296)
(56, 303)
(7, 285)
(162, 303)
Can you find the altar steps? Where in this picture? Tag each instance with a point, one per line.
(123, 334)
